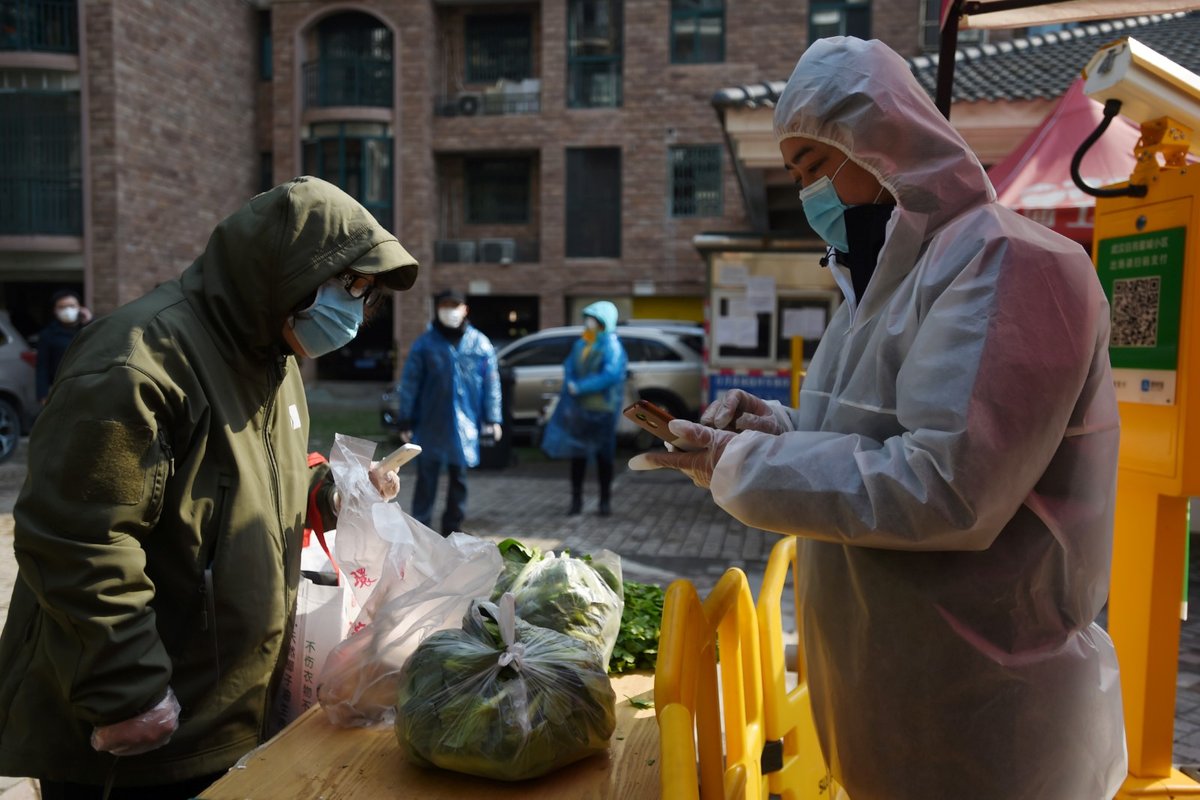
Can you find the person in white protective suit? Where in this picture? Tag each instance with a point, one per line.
(951, 467)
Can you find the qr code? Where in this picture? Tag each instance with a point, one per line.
(1135, 312)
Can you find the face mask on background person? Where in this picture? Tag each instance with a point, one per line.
(331, 322)
(452, 317)
(67, 315)
(824, 210)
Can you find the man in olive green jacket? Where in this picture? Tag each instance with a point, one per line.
(158, 531)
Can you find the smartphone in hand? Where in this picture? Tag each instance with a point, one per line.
(398, 458)
(652, 418)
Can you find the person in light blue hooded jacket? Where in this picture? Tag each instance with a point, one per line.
(950, 470)
(449, 397)
(584, 423)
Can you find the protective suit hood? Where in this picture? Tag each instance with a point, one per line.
(860, 97)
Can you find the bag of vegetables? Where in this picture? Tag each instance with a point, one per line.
(581, 597)
(502, 698)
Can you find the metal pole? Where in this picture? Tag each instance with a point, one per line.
(945, 73)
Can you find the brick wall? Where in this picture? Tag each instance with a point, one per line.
(665, 104)
(172, 97)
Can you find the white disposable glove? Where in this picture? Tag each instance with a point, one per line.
(147, 731)
(704, 449)
(497, 431)
(572, 389)
(387, 483)
(738, 410)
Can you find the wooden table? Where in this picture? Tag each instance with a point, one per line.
(312, 759)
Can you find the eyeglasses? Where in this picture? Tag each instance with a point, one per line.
(360, 286)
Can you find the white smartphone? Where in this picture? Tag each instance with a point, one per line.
(398, 458)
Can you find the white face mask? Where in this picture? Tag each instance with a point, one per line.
(452, 317)
(591, 323)
(67, 315)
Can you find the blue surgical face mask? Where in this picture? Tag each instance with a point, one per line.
(824, 210)
(331, 322)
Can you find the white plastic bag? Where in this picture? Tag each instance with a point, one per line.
(326, 609)
(409, 580)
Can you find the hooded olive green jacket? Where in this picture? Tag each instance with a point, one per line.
(174, 442)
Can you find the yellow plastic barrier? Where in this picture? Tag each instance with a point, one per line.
(685, 693)
(788, 714)
(758, 708)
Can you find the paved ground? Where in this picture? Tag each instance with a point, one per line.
(663, 528)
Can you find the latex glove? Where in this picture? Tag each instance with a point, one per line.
(497, 431)
(738, 410)
(387, 483)
(147, 731)
(704, 449)
(572, 389)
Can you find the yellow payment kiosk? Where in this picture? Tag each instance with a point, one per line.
(1147, 254)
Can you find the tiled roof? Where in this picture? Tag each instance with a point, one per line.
(1044, 66)
(1027, 68)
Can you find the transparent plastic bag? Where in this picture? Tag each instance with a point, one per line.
(502, 698)
(581, 597)
(409, 580)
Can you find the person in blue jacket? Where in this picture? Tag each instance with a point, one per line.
(584, 423)
(449, 396)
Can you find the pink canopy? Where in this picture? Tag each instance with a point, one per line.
(1035, 178)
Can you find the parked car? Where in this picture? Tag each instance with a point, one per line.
(18, 401)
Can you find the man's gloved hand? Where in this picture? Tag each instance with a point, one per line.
(704, 448)
(572, 389)
(497, 431)
(388, 483)
(738, 410)
(147, 731)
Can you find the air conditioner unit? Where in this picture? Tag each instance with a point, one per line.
(498, 251)
(469, 103)
(458, 251)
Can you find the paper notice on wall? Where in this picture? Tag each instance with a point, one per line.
(760, 294)
(733, 274)
(808, 323)
(740, 331)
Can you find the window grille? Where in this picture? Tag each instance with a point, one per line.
(695, 180)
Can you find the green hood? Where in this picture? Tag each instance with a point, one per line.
(263, 260)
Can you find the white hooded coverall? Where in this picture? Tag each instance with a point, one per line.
(951, 471)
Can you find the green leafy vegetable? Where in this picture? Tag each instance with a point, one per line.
(470, 702)
(641, 624)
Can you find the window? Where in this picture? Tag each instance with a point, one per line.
(39, 25)
(264, 46)
(357, 156)
(931, 27)
(499, 46)
(697, 31)
(647, 350)
(497, 190)
(594, 47)
(695, 177)
(551, 351)
(593, 202)
(266, 171)
(354, 67)
(839, 18)
(41, 180)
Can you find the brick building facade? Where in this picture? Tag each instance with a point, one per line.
(605, 165)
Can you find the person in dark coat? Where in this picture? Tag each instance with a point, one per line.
(70, 315)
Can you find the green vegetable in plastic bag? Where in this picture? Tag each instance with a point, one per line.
(581, 597)
(502, 698)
